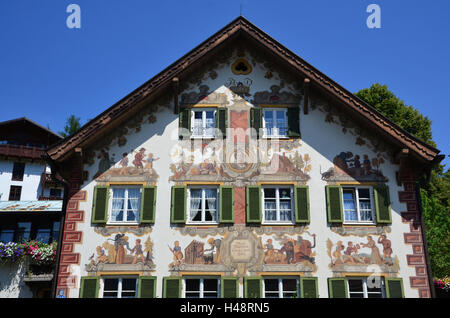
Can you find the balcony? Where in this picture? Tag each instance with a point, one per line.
(21, 151)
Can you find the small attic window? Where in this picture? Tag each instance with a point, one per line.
(241, 67)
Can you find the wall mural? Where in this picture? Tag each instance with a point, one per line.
(137, 165)
(349, 166)
(359, 253)
(122, 252)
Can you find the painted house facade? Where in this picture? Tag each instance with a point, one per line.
(242, 171)
(31, 204)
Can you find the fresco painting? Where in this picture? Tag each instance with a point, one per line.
(290, 250)
(197, 253)
(359, 252)
(348, 166)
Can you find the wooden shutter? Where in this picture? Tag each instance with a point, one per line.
(222, 116)
(172, 287)
(382, 204)
(337, 288)
(100, 205)
(256, 119)
(293, 117)
(253, 287)
(394, 288)
(309, 287)
(334, 204)
(184, 121)
(89, 286)
(226, 199)
(230, 287)
(147, 287)
(301, 201)
(148, 204)
(253, 204)
(178, 204)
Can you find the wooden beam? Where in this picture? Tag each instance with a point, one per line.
(305, 95)
(175, 87)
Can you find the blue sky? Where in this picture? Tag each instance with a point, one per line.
(48, 71)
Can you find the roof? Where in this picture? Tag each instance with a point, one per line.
(242, 28)
(27, 130)
(31, 206)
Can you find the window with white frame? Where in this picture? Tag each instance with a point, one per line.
(203, 205)
(125, 203)
(281, 287)
(275, 123)
(358, 205)
(278, 204)
(119, 287)
(366, 287)
(203, 123)
(201, 287)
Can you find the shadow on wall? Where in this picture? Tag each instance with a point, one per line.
(11, 281)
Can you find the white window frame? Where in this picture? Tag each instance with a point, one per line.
(277, 202)
(275, 127)
(364, 283)
(280, 285)
(188, 208)
(202, 291)
(110, 205)
(203, 110)
(119, 286)
(358, 213)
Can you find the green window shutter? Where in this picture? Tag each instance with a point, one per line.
(253, 287)
(100, 205)
(337, 288)
(394, 288)
(222, 116)
(89, 286)
(309, 287)
(256, 119)
(226, 201)
(253, 204)
(301, 201)
(148, 204)
(172, 287)
(293, 115)
(230, 287)
(334, 204)
(382, 204)
(178, 206)
(147, 287)
(184, 121)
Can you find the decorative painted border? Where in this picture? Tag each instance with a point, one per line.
(414, 236)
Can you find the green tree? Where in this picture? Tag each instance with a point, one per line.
(72, 126)
(435, 195)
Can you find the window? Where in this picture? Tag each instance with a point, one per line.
(125, 204)
(18, 171)
(278, 205)
(358, 205)
(201, 287)
(55, 193)
(119, 287)
(203, 205)
(281, 288)
(25, 229)
(366, 287)
(275, 122)
(203, 123)
(14, 193)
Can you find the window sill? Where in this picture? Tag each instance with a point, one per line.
(278, 223)
(123, 224)
(359, 224)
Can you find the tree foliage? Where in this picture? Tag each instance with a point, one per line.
(72, 126)
(435, 195)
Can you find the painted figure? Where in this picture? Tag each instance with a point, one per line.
(387, 250)
(177, 253)
(138, 252)
(124, 164)
(138, 158)
(375, 256)
(150, 159)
